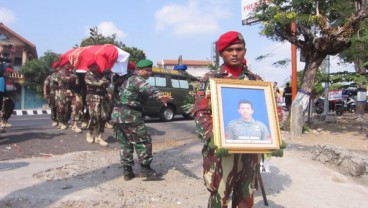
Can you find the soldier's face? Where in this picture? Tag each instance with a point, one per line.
(93, 68)
(145, 72)
(233, 54)
(246, 111)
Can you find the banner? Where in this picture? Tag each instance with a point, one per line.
(247, 9)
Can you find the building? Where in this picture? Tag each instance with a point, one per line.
(196, 68)
(15, 51)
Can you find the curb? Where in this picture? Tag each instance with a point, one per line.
(31, 112)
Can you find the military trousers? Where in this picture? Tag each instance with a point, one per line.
(53, 107)
(134, 136)
(77, 107)
(96, 116)
(63, 108)
(230, 178)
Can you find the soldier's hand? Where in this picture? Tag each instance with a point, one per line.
(279, 152)
(283, 145)
(211, 144)
(222, 152)
(165, 98)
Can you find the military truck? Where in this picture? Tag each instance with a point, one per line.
(176, 83)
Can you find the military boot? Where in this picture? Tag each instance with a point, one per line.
(63, 126)
(54, 124)
(89, 137)
(128, 173)
(108, 125)
(75, 128)
(84, 125)
(101, 141)
(149, 173)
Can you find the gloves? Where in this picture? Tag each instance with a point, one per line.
(279, 152)
(211, 144)
(222, 152)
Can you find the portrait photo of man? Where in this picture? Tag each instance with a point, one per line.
(246, 128)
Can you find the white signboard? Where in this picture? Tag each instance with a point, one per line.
(247, 9)
(334, 95)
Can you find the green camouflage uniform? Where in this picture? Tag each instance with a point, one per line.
(64, 96)
(130, 129)
(233, 175)
(51, 88)
(77, 101)
(248, 130)
(96, 95)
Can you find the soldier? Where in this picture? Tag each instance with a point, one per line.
(96, 93)
(9, 104)
(237, 177)
(64, 78)
(118, 80)
(108, 102)
(130, 128)
(287, 96)
(2, 93)
(77, 101)
(49, 92)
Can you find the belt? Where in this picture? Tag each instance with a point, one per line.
(120, 105)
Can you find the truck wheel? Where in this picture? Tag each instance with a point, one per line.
(167, 113)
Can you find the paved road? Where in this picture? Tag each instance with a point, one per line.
(33, 136)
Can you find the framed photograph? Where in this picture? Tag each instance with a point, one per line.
(244, 116)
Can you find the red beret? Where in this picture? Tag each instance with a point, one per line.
(55, 64)
(229, 38)
(131, 65)
(8, 70)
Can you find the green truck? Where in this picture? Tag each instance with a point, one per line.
(176, 83)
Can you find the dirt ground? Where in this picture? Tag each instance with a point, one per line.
(350, 132)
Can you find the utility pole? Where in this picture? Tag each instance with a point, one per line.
(294, 71)
(326, 70)
(94, 34)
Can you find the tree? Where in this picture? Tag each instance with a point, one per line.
(358, 52)
(36, 71)
(323, 28)
(98, 39)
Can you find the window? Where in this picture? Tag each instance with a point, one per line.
(160, 81)
(157, 81)
(17, 61)
(184, 84)
(177, 83)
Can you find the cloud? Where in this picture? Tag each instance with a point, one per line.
(7, 16)
(108, 29)
(197, 17)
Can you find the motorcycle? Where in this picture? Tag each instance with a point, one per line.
(336, 105)
(350, 105)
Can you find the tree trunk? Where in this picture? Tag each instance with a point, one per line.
(301, 101)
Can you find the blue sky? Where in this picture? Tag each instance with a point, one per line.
(163, 29)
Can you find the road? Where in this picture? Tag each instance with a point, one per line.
(33, 136)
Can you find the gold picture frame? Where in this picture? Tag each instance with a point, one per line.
(234, 101)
